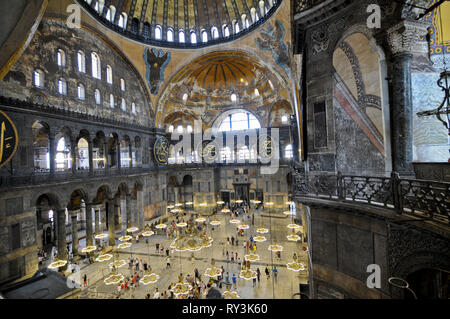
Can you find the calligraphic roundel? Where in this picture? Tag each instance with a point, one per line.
(8, 139)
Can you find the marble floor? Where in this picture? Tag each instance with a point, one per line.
(284, 286)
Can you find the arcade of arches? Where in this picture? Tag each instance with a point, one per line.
(262, 149)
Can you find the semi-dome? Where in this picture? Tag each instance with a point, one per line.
(181, 23)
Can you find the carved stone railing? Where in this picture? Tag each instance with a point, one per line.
(58, 177)
(303, 5)
(427, 200)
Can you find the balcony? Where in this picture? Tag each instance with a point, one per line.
(426, 200)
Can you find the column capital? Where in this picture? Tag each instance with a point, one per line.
(403, 37)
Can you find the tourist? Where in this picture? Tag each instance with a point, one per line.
(258, 274)
(85, 280)
(267, 272)
(232, 240)
(156, 294)
(168, 262)
(234, 281)
(275, 272)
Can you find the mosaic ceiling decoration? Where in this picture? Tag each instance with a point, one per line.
(181, 23)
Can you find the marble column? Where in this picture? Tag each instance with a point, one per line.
(134, 212)
(97, 223)
(73, 216)
(118, 154)
(105, 156)
(140, 208)
(402, 40)
(52, 152)
(129, 210)
(91, 159)
(89, 235)
(130, 150)
(111, 222)
(61, 230)
(73, 155)
(123, 214)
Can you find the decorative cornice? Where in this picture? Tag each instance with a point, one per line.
(403, 37)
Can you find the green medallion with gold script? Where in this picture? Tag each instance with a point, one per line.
(8, 139)
(161, 150)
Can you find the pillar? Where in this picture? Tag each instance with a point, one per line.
(140, 208)
(73, 155)
(105, 156)
(134, 212)
(91, 160)
(129, 211)
(118, 154)
(89, 236)
(130, 150)
(52, 152)
(402, 38)
(111, 222)
(123, 214)
(73, 216)
(97, 223)
(61, 230)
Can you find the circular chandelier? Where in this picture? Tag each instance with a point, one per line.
(215, 223)
(203, 204)
(175, 210)
(178, 204)
(247, 274)
(149, 279)
(288, 213)
(88, 249)
(256, 201)
(239, 201)
(170, 206)
(227, 294)
(294, 226)
(259, 239)
(132, 229)
(213, 272)
(295, 266)
(148, 233)
(225, 210)
(251, 257)
(293, 237)
(189, 203)
(161, 226)
(114, 279)
(104, 257)
(243, 226)
(191, 242)
(101, 236)
(220, 202)
(124, 245)
(125, 238)
(181, 288)
(235, 221)
(181, 225)
(268, 204)
(275, 248)
(57, 264)
(200, 220)
(262, 230)
(118, 263)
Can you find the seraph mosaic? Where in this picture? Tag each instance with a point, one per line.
(156, 62)
(272, 39)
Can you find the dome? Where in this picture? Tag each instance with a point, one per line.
(181, 24)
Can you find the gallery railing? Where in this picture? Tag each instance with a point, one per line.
(303, 5)
(428, 200)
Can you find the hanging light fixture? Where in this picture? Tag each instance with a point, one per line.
(149, 279)
(262, 230)
(248, 274)
(243, 226)
(118, 263)
(132, 229)
(295, 266)
(57, 264)
(200, 220)
(235, 221)
(294, 226)
(225, 210)
(215, 223)
(125, 238)
(124, 245)
(293, 237)
(181, 225)
(181, 288)
(288, 213)
(227, 294)
(88, 249)
(104, 257)
(101, 236)
(213, 271)
(252, 257)
(275, 247)
(148, 233)
(259, 239)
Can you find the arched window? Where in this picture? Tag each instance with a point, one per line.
(62, 86)
(239, 121)
(97, 96)
(61, 57)
(180, 129)
(158, 33)
(123, 20)
(170, 35)
(62, 157)
(122, 84)
(81, 92)
(96, 66)
(244, 153)
(109, 75)
(193, 37)
(96, 7)
(41, 147)
(38, 78)
(253, 14)
(181, 37)
(108, 15)
(135, 26)
(215, 32)
(189, 128)
(133, 108)
(225, 153)
(111, 101)
(226, 30)
(270, 3)
(82, 154)
(147, 30)
(123, 105)
(233, 97)
(236, 28)
(81, 61)
(204, 36)
(170, 129)
(125, 156)
(256, 92)
(288, 153)
(185, 97)
(284, 119)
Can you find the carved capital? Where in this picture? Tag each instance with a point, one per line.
(403, 37)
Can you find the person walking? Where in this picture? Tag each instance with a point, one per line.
(234, 281)
(168, 262)
(275, 272)
(232, 240)
(267, 272)
(258, 275)
(85, 280)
